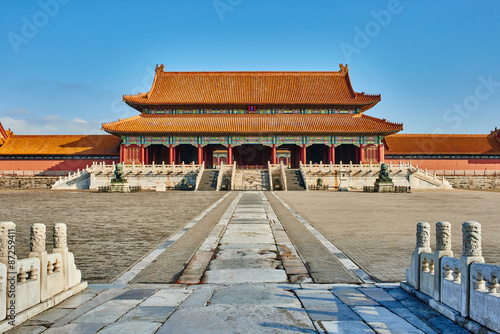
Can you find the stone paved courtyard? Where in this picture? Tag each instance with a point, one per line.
(107, 232)
(253, 281)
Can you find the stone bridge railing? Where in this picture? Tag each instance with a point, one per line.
(31, 285)
(462, 289)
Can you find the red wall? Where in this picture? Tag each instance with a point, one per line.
(451, 164)
(41, 165)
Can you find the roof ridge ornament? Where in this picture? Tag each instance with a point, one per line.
(159, 68)
(343, 69)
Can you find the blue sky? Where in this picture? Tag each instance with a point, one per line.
(65, 64)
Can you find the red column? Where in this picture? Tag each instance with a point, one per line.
(124, 154)
(121, 153)
(170, 155)
(200, 154)
(304, 156)
(381, 152)
(146, 155)
(362, 152)
(331, 154)
(273, 154)
(142, 154)
(229, 154)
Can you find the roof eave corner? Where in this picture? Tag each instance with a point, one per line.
(134, 105)
(370, 105)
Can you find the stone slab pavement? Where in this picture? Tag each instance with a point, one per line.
(236, 251)
(240, 308)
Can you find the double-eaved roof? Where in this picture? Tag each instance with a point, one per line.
(251, 88)
(205, 90)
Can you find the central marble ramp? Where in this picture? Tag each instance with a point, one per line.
(248, 245)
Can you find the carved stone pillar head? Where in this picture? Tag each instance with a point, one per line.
(37, 238)
(60, 235)
(471, 237)
(423, 235)
(4, 237)
(443, 236)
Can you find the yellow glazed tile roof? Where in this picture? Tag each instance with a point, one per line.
(61, 145)
(252, 88)
(442, 144)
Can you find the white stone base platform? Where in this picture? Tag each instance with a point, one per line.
(241, 308)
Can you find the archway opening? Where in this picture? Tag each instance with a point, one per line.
(186, 153)
(317, 153)
(158, 154)
(252, 155)
(293, 156)
(347, 153)
(210, 156)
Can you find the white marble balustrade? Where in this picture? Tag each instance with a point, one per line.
(30, 285)
(465, 287)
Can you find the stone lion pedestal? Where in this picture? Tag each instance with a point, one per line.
(119, 183)
(384, 183)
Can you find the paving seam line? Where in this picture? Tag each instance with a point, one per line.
(137, 268)
(212, 241)
(273, 218)
(350, 266)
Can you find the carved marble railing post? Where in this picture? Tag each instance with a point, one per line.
(61, 246)
(443, 248)
(8, 243)
(471, 252)
(423, 245)
(37, 249)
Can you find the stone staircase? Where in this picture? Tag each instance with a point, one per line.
(208, 180)
(294, 180)
(248, 179)
(77, 180)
